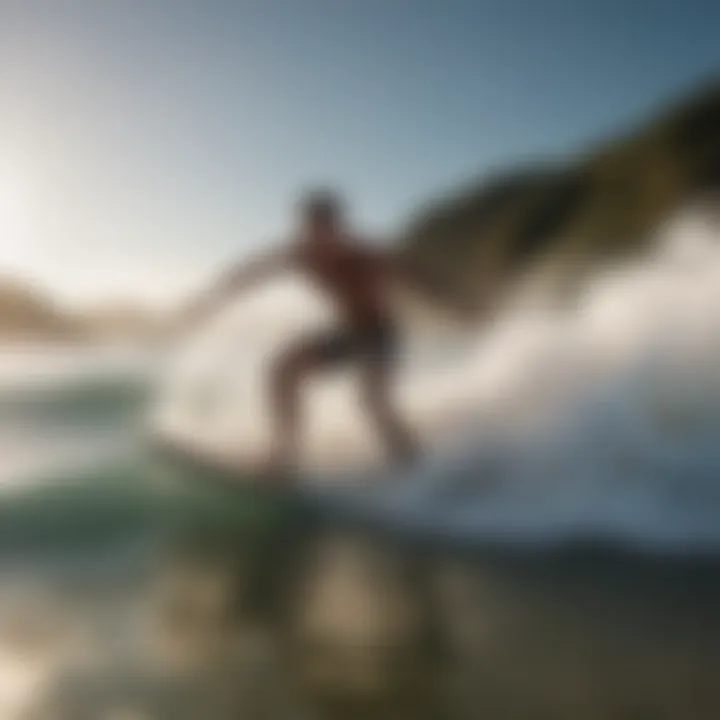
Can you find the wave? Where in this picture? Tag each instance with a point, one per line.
(68, 407)
(132, 499)
(601, 421)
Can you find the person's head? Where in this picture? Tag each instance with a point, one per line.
(321, 215)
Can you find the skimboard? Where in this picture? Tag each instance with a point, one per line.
(350, 497)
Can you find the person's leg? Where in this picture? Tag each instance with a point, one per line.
(291, 369)
(377, 401)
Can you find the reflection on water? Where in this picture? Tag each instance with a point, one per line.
(158, 645)
(358, 627)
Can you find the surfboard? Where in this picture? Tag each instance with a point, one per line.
(350, 500)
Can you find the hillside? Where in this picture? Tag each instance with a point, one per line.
(122, 320)
(568, 219)
(26, 312)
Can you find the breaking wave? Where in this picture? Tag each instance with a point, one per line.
(602, 421)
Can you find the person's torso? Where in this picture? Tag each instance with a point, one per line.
(353, 278)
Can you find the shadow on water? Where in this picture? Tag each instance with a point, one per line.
(248, 603)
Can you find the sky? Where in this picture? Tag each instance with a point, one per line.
(145, 143)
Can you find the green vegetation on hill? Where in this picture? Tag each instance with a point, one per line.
(566, 220)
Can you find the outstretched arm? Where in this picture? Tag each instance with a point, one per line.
(427, 284)
(240, 278)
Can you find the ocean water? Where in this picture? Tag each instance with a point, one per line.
(544, 430)
(78, 470)
(100, 613)
(601, 422)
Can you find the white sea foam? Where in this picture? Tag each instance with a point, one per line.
(603, 420)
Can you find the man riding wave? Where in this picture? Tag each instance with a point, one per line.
(356, 278)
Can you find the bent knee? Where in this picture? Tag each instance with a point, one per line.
(289, 367)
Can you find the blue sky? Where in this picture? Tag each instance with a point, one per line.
(144, 142)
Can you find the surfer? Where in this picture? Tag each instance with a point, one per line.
(356, 278)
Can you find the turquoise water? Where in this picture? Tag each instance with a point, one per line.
(78, 470)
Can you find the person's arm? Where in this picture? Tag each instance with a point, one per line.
(240, 278)
(427, 284)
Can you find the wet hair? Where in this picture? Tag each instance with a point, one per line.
(322, 205)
